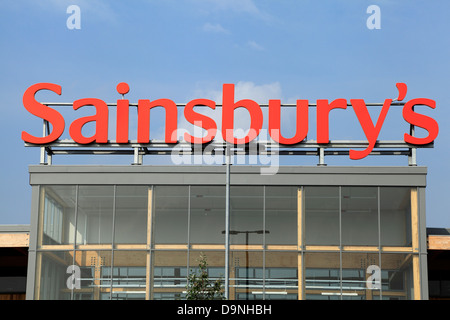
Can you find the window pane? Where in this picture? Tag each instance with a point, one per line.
(397, 276)
(322, 275)
(58, 215)
(361, 276)
(281, 215)
(131, 214)
(281, 275)
(169, 275)
(207, 215)
(359, 208)
(171, 205)
(215, 261)
(246, 274)
(246, 218)
(321, 216)
(395, 211)
(95, 214)
(95, 269)
(53, 275)
(129, 275)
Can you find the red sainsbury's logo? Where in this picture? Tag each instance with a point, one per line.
(370, 129)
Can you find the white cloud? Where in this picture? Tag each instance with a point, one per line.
(215, 28)
(237, 6)
(259, 93)
(254, 45)
(243, 90)
(247, 6)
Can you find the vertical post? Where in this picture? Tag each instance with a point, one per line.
(149, 269)
(300, 243)
(49, 157)
(379, 243)
(111, 288)
(227, 221)
(136, 156)
(264, 245)
(321, 157)
(38, 272)
(413, 151)
(415, 244)
(42, 160)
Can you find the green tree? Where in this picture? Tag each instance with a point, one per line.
(200, 287)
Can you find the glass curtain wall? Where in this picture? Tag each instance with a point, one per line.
(286, 242)
(190, 220)
(358, 243)
(75, 258)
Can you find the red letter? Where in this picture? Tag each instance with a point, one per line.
(123, 108)
(371, 132)
(44, 112)
(196, 118)
(144, 107)
(101, 119)
(420, 120)
(228, 107)
(323, 109)
(123, 111)
(275, 122)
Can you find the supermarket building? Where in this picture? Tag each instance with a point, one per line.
(305, 232)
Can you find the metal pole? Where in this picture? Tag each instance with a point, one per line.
(413, 156)
(322, 157)
(42, 160)
(247, 283)
(413, 151)
(227, 221)
(113, 240)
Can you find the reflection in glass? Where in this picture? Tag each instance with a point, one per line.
(246, 217)
(171, 207)
(207, 209)
(130, 222)
(359, 209)
(51, 275)
(322, 216)
(58, 215)
(95, 214)
(246, 273)
(281, 215)
(395, 216)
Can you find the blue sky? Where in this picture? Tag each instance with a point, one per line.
(185, 49)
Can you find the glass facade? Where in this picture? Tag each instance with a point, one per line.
(126, 242)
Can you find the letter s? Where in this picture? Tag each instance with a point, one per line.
(44, 112)
(199, 119)
(420, 120)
